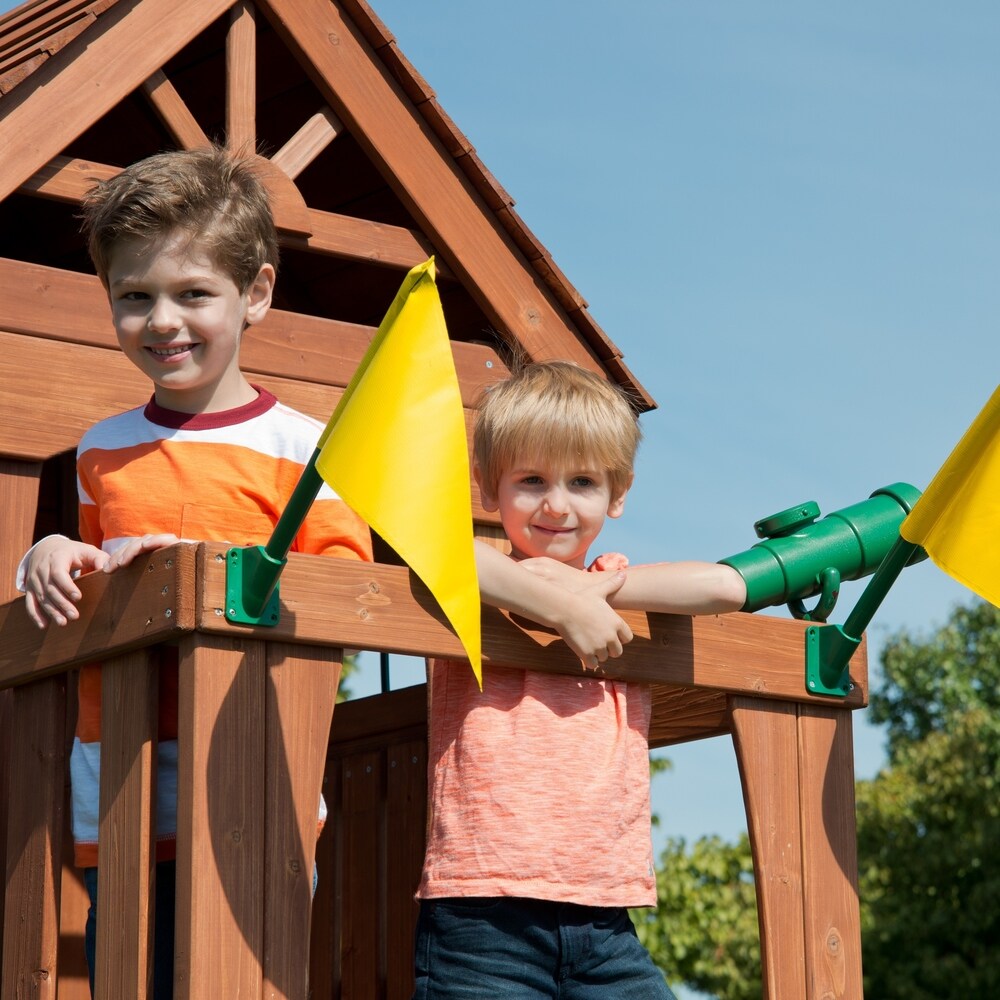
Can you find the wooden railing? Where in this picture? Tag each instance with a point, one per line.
(255, 706)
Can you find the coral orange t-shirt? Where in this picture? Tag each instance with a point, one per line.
(539, 787)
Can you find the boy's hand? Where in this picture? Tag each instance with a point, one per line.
(50, 591)
(136, 547)
(590, 626)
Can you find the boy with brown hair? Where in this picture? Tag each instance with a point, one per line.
(185, 245)
(539, 826)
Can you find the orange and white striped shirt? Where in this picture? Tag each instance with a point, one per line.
(203, 477)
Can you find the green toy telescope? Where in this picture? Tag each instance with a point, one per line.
(801, 556)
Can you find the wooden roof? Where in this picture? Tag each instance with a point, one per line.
(87, 86)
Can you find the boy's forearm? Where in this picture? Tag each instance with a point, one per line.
(503, 584)
(684, 588)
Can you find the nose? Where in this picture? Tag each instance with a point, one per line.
(555, 502)
(163, 316)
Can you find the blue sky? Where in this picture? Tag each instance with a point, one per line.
(787, 216)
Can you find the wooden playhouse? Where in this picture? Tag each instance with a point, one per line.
(368, 177)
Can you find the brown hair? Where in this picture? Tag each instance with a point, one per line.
(558, 411)
(215, 196)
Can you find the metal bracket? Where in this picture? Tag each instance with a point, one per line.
(242, 567)
(828, 655)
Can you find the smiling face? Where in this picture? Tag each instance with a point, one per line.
(179, 319)
(551, 509)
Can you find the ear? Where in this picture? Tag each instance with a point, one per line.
(486, 497)
(617, 506)
(259, 294)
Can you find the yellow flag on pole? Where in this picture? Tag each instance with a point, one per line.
(395, 451)
(957, 520)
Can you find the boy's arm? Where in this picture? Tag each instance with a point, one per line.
(47, 574)
(681, 588)
(583, 618)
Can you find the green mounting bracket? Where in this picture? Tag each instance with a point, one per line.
(828, 653)
(252, 587)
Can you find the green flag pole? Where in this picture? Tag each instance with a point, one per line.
(829, 648)
(252, 572)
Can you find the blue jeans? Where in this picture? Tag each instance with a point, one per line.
(530, 949)
(163, 934)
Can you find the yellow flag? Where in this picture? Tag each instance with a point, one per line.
(395, 451)
(957, 520)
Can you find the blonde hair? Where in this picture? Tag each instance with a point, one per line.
(216, 197)
(556, 411)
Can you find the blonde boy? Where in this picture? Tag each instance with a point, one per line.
(539, 834)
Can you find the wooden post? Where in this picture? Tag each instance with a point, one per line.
(126, 856)
(797, 770)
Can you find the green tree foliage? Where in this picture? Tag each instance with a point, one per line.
(928, 841)
(704, 928)
(929, 824)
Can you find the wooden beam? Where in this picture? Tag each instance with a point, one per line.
(344, 236)
(344, 603)
(173, 112)
(299, 698)
(67, 178)
(241, 79)
(126, 856)
(220, 843)
(433, 188)
(125, 611)
(34, 841)
(83, 82)
(308, 142)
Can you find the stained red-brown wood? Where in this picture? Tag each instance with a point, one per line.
(241, 77)
(95, 72)
(829, 854)
(430, 184)
(318, 131)
(34, 841)
(301, 691)
(126, 859)
(765, 736)
(173, 112)
(220, 847)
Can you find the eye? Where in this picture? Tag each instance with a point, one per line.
(197, 293)
(582, 482)
(133, 296)
(531, 480)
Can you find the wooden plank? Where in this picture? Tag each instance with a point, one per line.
(172, 111)
(405, 822)
(830, 864)
(370, 606)
(300, 695)
(362, 934)
(150, 601)
(308, 142)
(680, 715)
(364, 240)
(220, 842)
(68, 178)
(766, 743)
(19, 483)
(34, 841)
(90, 76)
(66, 306)
(344, 603)
(57, 418)
(433, 188)
(126, 857)
(241, 78)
